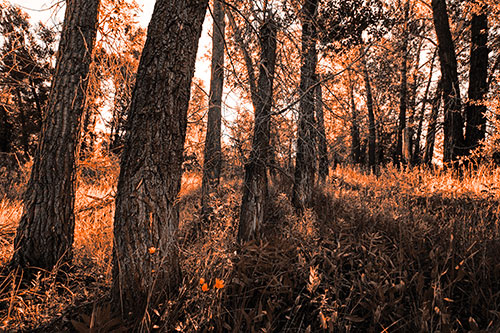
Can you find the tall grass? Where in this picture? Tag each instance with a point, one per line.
(405, 250)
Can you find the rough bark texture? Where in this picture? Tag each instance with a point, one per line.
(255, 184)
(45, 233)
(321, 134)
(372, 127)
(432, 126)
(453, 121)
(403, 90)
(305, 166)
(212, 154)
(145, 257)
(475, 111)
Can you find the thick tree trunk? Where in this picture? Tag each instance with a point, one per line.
(145, 257)
(305, 166)
(321, 135)
(453, 121)
(255, 185)
(212, 154)
(403, 90)
(475, 110)
(45, 233)
(432, 125)
(372, 127)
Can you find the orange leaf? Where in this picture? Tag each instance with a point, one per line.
(204, 287)
(202, 281)
(151, 250)
(219, 284)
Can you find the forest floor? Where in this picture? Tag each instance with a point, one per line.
(405, 251)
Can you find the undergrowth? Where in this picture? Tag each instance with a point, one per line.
(402, 251)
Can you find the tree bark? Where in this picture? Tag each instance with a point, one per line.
(88, 132)
(5, 131)
(145, 257)
(475, 109)
(399, 157)
(45, 234)
(321, 134)
(372, 127)
(410, 132)
(22, 121)
(212, 154)
(305, 160)
(432, 125)
(255, 183)
(355, 137)
(453, 121)
(416, 158)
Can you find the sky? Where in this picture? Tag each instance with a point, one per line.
(42, 10)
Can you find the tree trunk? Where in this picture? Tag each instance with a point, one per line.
(45, 234)
(305, 159)
(355, 138)
(212, 154)
(431, 127)
(403, 90)
(88, 135)
(22, 121)
(145, 257)
(416, 158)
(37, 101)
(255, 185)
(475, 109)
(372, 127)
(453, 121)
(321, 135)
(5, 131)
(412, 105)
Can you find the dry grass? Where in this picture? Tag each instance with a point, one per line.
(404, 251)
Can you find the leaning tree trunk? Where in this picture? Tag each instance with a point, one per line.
(145, 262)
(305, 159)
(212, 154)
(475, 110)
(321, 133)
(255, 185)
(453, 121)
(45, 233)
(372, 127)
